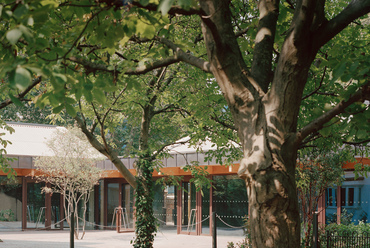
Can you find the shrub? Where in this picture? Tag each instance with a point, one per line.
(7, 215)
(246, 243)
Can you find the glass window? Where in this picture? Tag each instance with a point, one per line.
(113, 201)
(128, 206)
(35, 205)
(11, 202)
(343, 196)
(351, 194)
(165, 206)
(189, 211)
(331, 197)
(231, 203)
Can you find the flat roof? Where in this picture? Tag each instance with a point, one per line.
(29, 139)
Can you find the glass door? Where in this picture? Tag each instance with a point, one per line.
(35, 206)
(56, 213)
(205, 211)
(112, 203)
(189, 208)
(127, 206)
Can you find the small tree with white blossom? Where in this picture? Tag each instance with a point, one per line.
(70, 172)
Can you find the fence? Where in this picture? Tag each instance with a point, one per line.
(348, 240)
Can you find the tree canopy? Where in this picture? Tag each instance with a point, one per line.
(291, 73)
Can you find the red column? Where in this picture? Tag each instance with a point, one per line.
(105, 203)
(211, 208)
(321, 210)
(179, 210)
(339, 202)
(24, 203)
(48, 209)
(198, 218)
(118, 220)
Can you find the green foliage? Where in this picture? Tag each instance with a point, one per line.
(340, 69)
(350, 229)
(317, 170)
(169, 180)
(345, 218)
(146, 225)
(200, 176)
(4, 160)
(246, 243)
(7, 215)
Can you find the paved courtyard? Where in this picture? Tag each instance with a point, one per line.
(110, 239)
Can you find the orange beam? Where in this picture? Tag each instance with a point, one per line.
(351, 165)
(178, 171)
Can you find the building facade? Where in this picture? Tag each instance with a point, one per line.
(179, 209)
(183, 210)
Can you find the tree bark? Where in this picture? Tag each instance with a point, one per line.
(266, 124)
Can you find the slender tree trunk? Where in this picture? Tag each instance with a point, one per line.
(76, 219)
(86, 199)
(145, 221)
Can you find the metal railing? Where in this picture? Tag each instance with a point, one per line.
(348, 240)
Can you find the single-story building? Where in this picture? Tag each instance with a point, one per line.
(183, 210)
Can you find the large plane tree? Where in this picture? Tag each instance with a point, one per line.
(289, 71)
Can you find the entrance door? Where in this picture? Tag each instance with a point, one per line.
(113, 201)
(189, 209)
(39, 210)
(56, 211)
(127, 206)
(36, 209)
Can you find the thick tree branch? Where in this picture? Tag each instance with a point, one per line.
(354, 10)
(107, 152)
(174, 10)
(179, 55)
(263, 50)
(357, 143)
(361, 95)
(93, 67)
(21, 95)
(185, 57)
(215, 33)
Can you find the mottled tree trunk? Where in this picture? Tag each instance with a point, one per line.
(265, 118)
(268, 169)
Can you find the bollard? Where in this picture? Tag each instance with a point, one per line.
(214, 230)
(72, 227)
(315, 231)
(118, 220)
